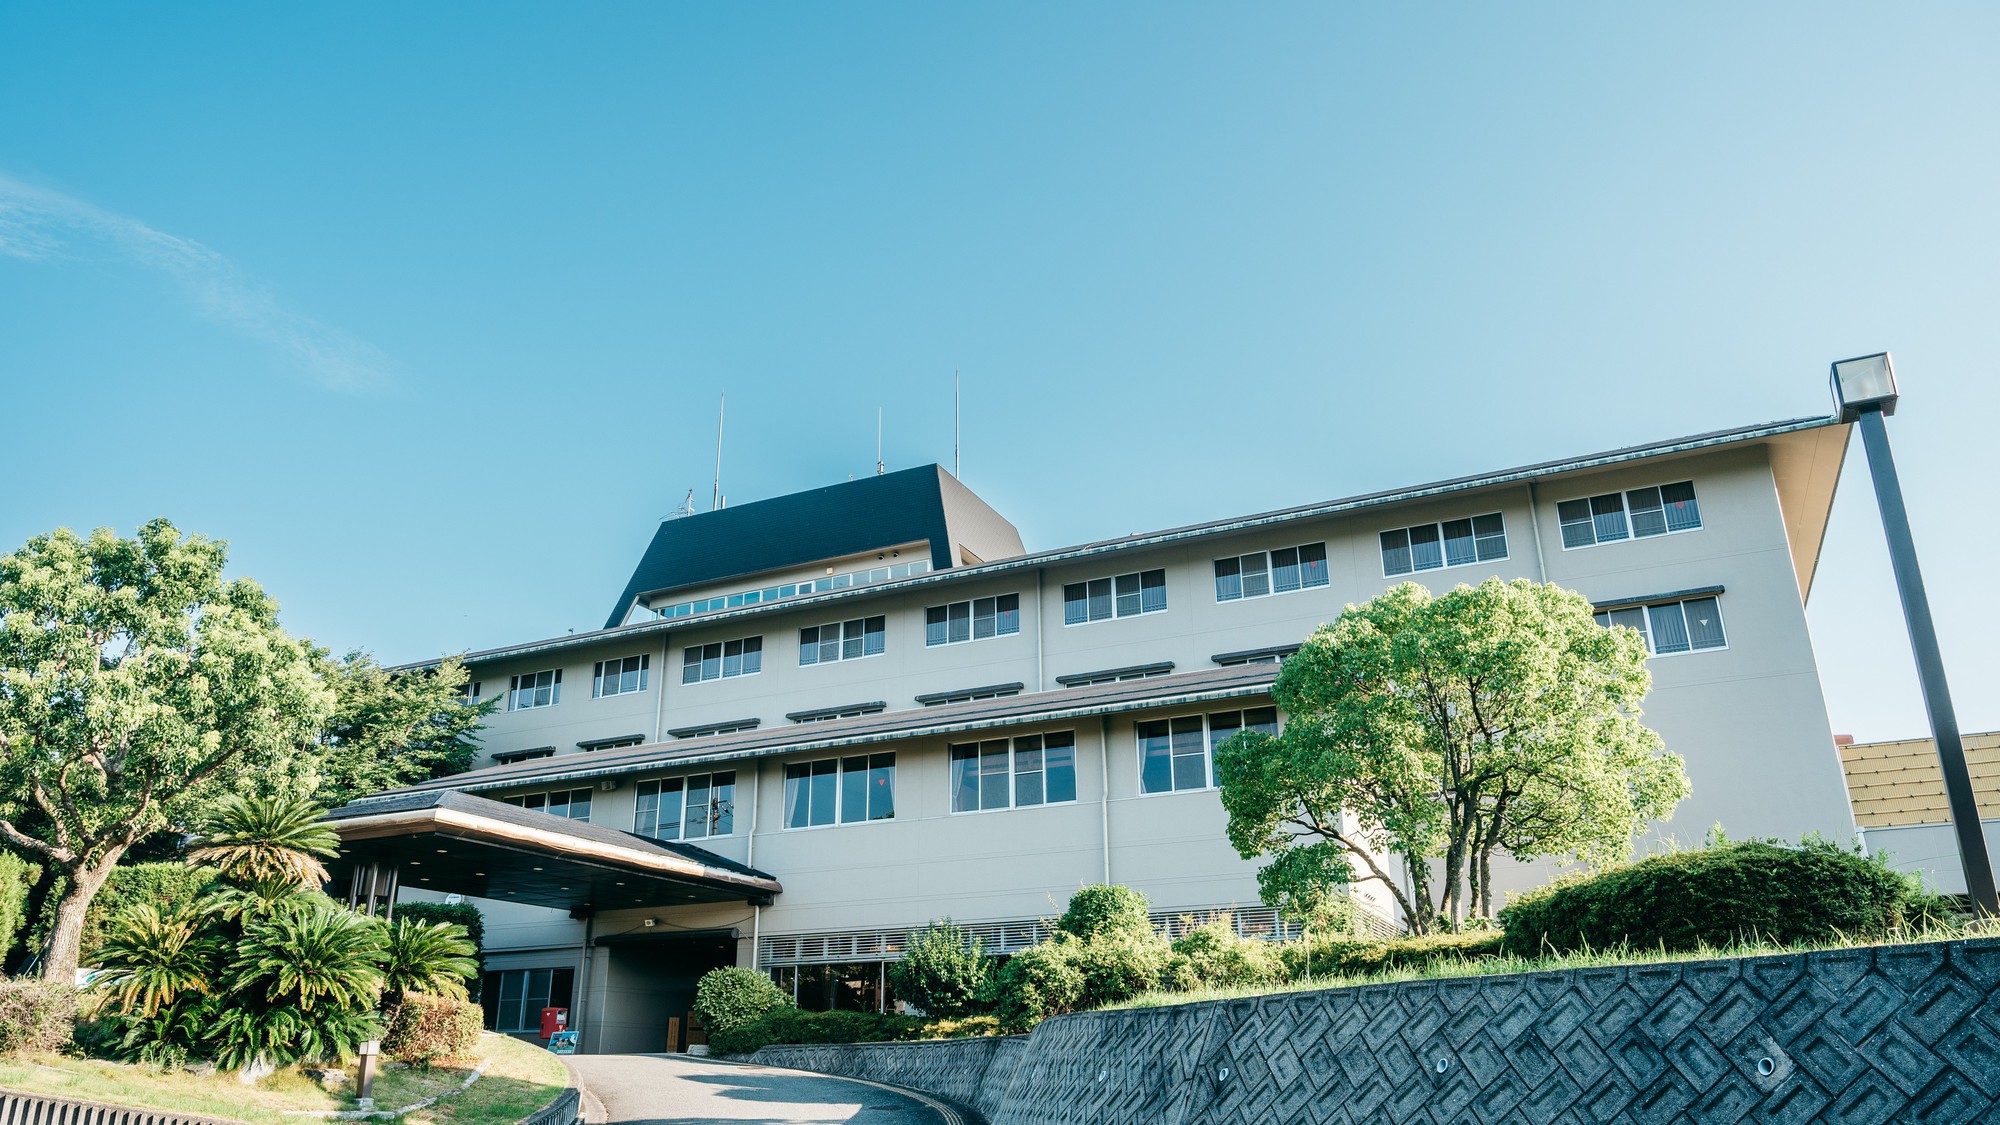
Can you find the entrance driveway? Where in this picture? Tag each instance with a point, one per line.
(678, 1090)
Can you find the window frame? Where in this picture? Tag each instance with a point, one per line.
(644, 676)
(818, 645)
(840, 771)
(1444, 557)
(1113, 593)
(1269, 558)
(1014, 772)
(746, 648)
(1208, 745)
(997, 617)
(514, 689)
(1632, 534)
(1602, 616)
(682, 787)
(520, 801)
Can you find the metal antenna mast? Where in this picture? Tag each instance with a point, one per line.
(954, 421)
(715, 498)
(878, 441)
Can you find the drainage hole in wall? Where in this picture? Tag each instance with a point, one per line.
(1767, 1066)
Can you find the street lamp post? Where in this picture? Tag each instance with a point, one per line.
(1865, 389)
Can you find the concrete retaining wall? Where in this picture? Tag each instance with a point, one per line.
(1906, 1033)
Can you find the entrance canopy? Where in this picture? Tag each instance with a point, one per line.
(456, 843)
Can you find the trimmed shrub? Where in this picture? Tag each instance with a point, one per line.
(1214, 956)
(1350, 957)
(1757, 890)
(731, 997)
(1036, 983)
(790, 1025)
(422, 1029)
(943, 972)
(36, 1016)
(1105, 910)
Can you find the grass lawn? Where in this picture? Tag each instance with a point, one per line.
(520, 1078)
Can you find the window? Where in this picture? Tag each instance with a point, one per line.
(840, 790)
(794, 589)
(842, 640)
(1262, 573)
(1670, 627)
(1115, 675)
(1433, 546)
(615, 742)
(513, 999)
(1276, 654)
(686, 808)
(471, 693)
(967, 695)
(1175, 754)
(727, 726)
(1127, 595)
(861, 986)
(1640, 513)
(507, 757)
(618, 677)
(724, 661)
(536, 689)
(973, 620)
(850, 711)
(571, 803)
(1035, 769)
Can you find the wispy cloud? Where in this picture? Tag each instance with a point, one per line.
(38, 225)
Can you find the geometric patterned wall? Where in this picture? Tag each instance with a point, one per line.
(1902, 1033)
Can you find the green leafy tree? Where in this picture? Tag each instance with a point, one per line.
(394, 728)
(136, 684)
(944, 971)
(1443, 729)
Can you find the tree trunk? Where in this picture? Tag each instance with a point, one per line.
(1486, 881)
(65, 947)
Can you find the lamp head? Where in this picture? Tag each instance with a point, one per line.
(1863, 383)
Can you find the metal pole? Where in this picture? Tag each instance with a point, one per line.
(1930, 665)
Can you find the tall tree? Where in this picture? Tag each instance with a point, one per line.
(394, 728)
(136, 683)
(1438, 730)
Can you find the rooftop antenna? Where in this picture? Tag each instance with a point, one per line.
(954, 422)
(715, 498)
(878, 441)
(685, 510)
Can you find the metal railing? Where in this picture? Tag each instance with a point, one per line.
(18, 1108)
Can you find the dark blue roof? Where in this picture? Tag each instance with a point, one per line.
(925, 503)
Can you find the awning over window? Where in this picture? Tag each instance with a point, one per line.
(456, 843)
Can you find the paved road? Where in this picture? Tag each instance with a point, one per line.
(676, 1089)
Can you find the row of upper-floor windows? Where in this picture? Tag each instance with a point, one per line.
(1590, 521)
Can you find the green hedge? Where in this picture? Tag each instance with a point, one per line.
(1757, 890)
(1352, 957)
(791, 1025)
(422, 1029)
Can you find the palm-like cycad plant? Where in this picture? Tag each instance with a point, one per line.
(274, 842)
(430, 957)
(156, 958)
(310, 956)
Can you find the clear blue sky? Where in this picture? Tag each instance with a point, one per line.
(425, 308)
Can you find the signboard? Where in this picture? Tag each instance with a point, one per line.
(563, 1043)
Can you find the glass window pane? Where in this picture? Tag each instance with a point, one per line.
(1426, 552)
(1228, 580)
(1647, 518)
(711, 662)
(1577, 529)
(853, 790)
(1704, 622)
(1634, 618)
(1221, 725)
(1608, 517)
(1395, 552)
(1312, 565)
(722, 804)
(959, 621)
(695, 826)
(965, 777)
(1256, 575)
(993, 774)
(691, 666)
(753, 656)
(1059, 767)
(934, 626)
(1669, 628)
(1152, 591)
(1682, 513)
(579, 804)
(872, 644)
(851, 638)
(1263, 719)
(732, 659)
(829, 643)
(1076, 604)
(881, 786)
(1008, 615)
(809, 645)
(982, 618)
(1285, 570)
(1490, 533)
(1190, 753)
(1128, 595)
(1458, 548)
(1155, 756)
(825, 776)
(1100, 599)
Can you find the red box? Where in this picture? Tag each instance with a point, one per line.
(554, 1020)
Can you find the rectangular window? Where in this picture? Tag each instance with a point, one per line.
(513, 999)
(1641, 513)
(1274, 572)
(1126, 595)
(1434, 546)
(1177, 754)
(573, 804)
(618, 677)
(1690, 625)
(972, 620)
(722, 661)
(471, 693)
(691, 808)
(840, 790)
(1035, 769)
(842, 640)
(536, 689)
